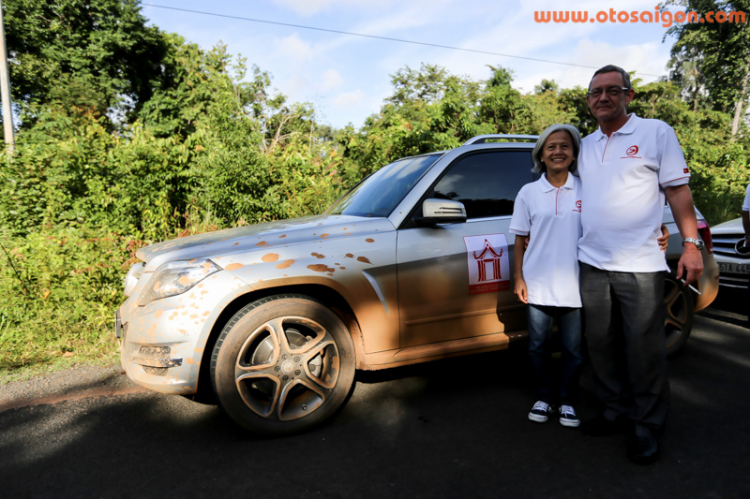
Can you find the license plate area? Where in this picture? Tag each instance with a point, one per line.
(734, 268)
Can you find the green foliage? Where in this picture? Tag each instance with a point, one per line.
(98, 53)
(210, 148)
(63, 297)
(714, 57)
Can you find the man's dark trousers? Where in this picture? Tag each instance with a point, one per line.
(625, 334)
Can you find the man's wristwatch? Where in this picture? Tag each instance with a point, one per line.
(697, 242)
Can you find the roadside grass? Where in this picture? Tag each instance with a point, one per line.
(58, 294)
(56, 364)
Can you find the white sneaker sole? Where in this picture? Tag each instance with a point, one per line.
(537, 418)
(570, 423)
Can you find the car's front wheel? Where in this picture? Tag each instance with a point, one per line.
(283, 364)
(679, 309)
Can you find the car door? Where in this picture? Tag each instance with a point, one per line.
(454, 280)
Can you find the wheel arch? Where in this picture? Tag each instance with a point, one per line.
(325, 295)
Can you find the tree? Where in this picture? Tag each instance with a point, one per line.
(686, 71)
(715, 55)
(546, 86)
(93, 55)
(500, 103)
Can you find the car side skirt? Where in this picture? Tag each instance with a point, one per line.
(437, 351)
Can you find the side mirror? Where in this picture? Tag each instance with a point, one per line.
(441, 211)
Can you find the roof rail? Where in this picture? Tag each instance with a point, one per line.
(481, 139)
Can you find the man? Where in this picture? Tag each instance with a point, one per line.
(627, 167)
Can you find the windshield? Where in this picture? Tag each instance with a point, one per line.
(378, 194)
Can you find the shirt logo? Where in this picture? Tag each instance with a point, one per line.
(578, 206)
(686, 170)
(630, 153)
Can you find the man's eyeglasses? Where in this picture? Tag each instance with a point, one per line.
(595, 93)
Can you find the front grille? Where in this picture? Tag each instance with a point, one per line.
(727, 244)
(733, 281)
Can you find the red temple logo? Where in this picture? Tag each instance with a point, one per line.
(488, 263)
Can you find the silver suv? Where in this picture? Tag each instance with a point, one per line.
(413, 264)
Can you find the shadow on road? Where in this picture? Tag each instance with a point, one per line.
(731, 306)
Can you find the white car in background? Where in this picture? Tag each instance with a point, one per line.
(731, 254)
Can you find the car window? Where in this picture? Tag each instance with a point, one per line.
(486, 182)
(378, 194)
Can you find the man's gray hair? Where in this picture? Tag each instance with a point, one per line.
(540, 167)
(611, 68)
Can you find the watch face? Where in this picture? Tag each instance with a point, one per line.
(697, 242)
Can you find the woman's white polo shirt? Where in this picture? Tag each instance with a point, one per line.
(552, 218)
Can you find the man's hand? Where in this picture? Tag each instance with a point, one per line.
(664, 239)
(690, 265)
(520, 290)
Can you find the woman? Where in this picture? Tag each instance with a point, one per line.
(546, 273)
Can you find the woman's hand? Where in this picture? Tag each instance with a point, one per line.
(664, 239)
(520, 290)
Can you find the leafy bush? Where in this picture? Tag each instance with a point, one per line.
(58, 291)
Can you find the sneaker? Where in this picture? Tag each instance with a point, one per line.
(540, 412)
(568, 416)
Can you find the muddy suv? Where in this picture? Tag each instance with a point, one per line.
(413, 264)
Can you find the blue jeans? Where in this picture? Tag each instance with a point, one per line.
(540, 331)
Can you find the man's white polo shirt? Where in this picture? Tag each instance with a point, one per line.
(623, 178)
(746, 204)
(552, 218)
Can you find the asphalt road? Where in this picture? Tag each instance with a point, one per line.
(455, 428)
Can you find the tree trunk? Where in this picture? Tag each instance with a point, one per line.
(738, 109)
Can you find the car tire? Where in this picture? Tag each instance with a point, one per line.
(679, 308)
(283, 364)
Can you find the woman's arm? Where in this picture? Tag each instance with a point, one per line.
(520, 285)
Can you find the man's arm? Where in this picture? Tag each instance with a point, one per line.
(681, 201)
(746, 226)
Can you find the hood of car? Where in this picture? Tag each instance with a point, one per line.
(256, 237)
(730, 227)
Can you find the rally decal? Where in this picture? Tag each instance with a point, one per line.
(489, 266)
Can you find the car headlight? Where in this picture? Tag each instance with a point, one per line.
(174, 278)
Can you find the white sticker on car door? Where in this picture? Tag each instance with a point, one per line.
(489, 266)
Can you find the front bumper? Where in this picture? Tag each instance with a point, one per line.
(162, 343)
